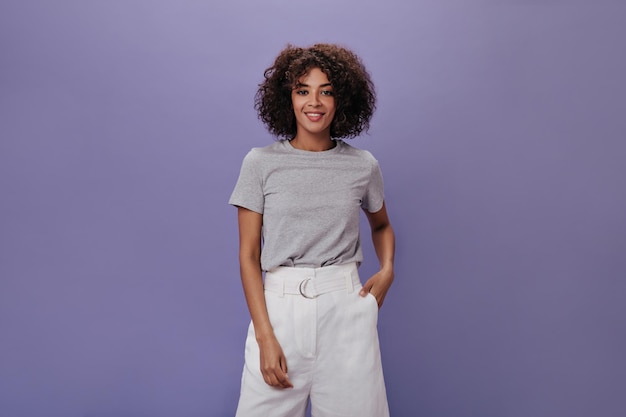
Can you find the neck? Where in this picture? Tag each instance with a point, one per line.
(312, 142)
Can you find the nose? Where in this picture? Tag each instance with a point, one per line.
(314, 100)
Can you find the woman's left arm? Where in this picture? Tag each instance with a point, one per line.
(384, 244)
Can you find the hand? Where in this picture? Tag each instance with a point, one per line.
(274, 363)
(378, 285)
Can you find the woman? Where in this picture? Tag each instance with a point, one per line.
(313, 331)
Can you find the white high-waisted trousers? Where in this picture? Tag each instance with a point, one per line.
(328, 334)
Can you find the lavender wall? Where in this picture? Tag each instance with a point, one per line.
(501, 135)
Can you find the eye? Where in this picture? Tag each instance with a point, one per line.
(302, 92)
(327, 93)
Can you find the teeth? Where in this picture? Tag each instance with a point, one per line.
(314, 114)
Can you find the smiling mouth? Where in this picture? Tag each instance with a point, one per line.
(314, 116)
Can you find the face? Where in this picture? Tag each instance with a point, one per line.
(313, 104)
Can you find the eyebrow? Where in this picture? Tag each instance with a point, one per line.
(299, 85)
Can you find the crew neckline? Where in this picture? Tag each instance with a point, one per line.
(334, 149)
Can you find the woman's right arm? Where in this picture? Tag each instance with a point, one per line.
(273, 361)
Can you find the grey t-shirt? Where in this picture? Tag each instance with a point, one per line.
(310, 202)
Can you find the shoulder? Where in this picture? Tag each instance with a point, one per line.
(264, 153)
(276, 148)
(362, 155)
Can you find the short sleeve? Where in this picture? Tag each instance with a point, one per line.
(374, 194)
(248, 192)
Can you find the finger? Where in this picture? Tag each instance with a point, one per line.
(270, 378)
(277, 379)
(283, 380)
(283, 377)
(366, 288)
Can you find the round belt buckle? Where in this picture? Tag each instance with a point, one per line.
(302, 288)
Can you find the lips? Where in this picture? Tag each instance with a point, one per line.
(314, 117)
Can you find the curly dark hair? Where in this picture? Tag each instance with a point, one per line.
(355, 97)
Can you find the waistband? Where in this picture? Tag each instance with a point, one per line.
(312, 282)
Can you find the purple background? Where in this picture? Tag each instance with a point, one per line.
(502, 137)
